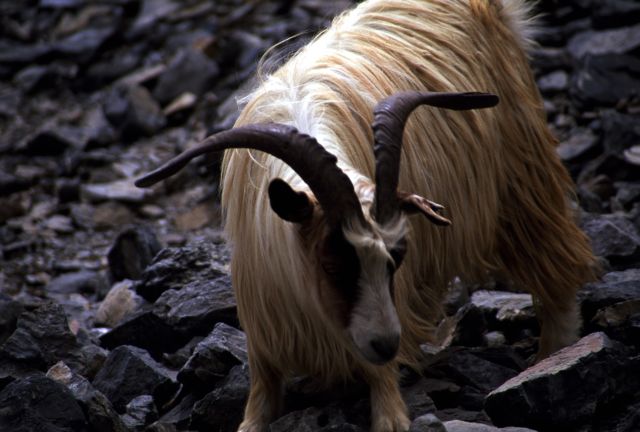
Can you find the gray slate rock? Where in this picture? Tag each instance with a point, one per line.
(427, 423)
(612, 41)
(38, 403)
(614, 287)
(313, 420)
(463, 426)
(222, 409)
(133, 112)
(213, 357)
(613, 237)
(129, 372)
(566, 388)
(132, 252)
(504, 306)
(190, 71)
(175, 267)
(141, 411)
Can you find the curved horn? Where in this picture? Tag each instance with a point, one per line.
(317, 167)
(390, 116)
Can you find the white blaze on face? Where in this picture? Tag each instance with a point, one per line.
(374, 326)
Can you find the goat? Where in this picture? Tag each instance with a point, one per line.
(332, 277)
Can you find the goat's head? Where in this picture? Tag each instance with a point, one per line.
(358, 256)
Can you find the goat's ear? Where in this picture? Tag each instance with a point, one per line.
(290, 205)
(412, 204)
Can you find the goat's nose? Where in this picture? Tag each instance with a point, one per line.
(385, 347)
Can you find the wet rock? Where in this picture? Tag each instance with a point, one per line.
(463, 426)
(133, 112)
(566, 388)
(132, 252)
(427, 423)
(613, 237)
(191, 71)
(82, 282)
(100, 415)
(141, 411)
(614, 41)
(174, 268)
(198, 306)
(605, 80)
(129, 372)
(614, 287)
(121, 190)
(222, 409)
(213, 357)
(40, 403)
(145, 330)
(41, 338)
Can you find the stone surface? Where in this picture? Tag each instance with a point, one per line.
(614, 287)
(37, 403)
(129, 372)
(427, 423)
(132, 252)
(566, 388)
(463, 426)
(213, 357)
(613, 237)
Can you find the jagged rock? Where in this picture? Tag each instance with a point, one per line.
(502, 307)
(613, 237)
(133, 111)
(52, 140)
(621, 321)
(38, 403)
(198, 306)
(145, 330)
(190, 71)
(213, 357)
(566, 388)
(613, 41)
(10, 310)
(132, 252)
(173, 268)
(140, 411)
(581, 145)
(427, 423)
(82, 282)
(101, 417)
(222, 409)
(619, 131)
(465, 328)
(417, 399)
(463, 426)
(180, 415)
(613, 288)
(129, 372)
(41, 339)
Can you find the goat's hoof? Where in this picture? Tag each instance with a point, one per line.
(391, 424)
(252, 426)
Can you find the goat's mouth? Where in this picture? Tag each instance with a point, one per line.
(378, 350)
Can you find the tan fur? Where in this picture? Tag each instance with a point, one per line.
(495, 170)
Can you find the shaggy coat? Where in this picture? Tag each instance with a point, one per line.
(495, 170)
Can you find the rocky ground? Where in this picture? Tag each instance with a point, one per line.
(93, 94)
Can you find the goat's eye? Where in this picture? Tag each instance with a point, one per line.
(398, 257)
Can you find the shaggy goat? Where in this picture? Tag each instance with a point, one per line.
(331, 277)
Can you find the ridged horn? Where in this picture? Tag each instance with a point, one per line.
(390, 117)
(316, 166)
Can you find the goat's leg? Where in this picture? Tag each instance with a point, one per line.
(388, 410)
(559, 325)
(265, 396)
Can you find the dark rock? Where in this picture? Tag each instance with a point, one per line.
(614, 287)
(101, 417)
(10, 184)
(605, 80)
(10, 310)
(93, 358)
(41, 339)
(312, 420)
(173, 268)
(627, 194)
(198, 306)
(614, 13)
(129, 372)
(38, 77)
(140, 411)
(83, 282)
(213, 357)
(180, 415)
(504, 306)
(417, 399)
(616, 41)
(613, 166)
(191, 71)
(548, 59)
(67, 190)
(463, 426)
(83, 45)
(619, 131)
(566, 388)
(620, 321)
(465, 328)
(52, 140)
(222, 409)
(613, 237)
(97, 129)
(132, 252)
(133, 111)
(449, 414)
(37, 403)
(427, 423)
(145, 330)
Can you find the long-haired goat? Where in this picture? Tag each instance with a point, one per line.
(331, 276)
